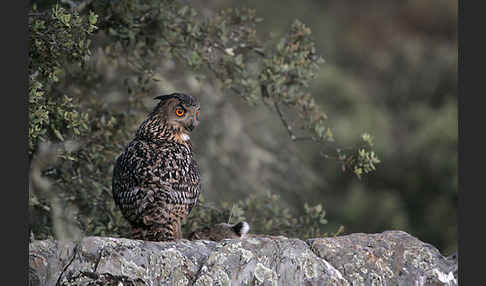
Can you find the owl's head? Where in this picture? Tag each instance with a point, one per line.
(180, 112)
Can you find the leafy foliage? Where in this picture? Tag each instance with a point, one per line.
(227, 46)
(68, 105)
(57, 37)
(266, 213)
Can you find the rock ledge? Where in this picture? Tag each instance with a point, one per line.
(388, 258)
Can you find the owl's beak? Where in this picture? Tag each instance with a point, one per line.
(189, 128)
(192, 124)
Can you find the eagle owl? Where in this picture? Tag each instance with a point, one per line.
(156, 181)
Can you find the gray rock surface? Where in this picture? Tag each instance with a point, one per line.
(388, 258)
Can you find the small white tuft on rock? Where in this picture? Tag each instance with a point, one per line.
(242, 228)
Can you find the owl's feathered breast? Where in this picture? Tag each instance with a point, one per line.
(155, 172)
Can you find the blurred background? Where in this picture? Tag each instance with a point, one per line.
(391, 71)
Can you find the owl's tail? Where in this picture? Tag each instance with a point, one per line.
(166, 232)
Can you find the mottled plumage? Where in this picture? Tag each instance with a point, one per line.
(156, 180)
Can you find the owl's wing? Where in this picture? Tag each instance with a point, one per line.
(126, 188)
(194, 202)
(195, 190)
(132, 179)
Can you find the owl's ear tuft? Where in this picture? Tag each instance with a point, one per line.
(165, 97)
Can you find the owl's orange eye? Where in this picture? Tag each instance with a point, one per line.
(180, 111)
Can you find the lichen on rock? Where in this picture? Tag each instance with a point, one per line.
(388, 258)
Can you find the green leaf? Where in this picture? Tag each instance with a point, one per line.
(58, 134)
(93, 18)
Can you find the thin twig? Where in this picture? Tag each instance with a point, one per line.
(284, 122)
(295, 138)
(231, 213)
(98, 260)
(67, 265)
